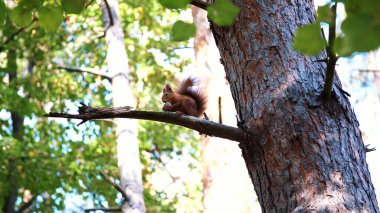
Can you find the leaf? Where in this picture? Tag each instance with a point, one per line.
(21, 15)
(73, 6)
(325, 14)
(182, 31)
(34, 4)
(362, 32)
(174, 4)
(3, 12)
(50, 17)
(342, 47)
(223, 12)
(308, 39)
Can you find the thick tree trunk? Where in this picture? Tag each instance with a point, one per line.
(308, 154)
(126, 129)
(226, 184)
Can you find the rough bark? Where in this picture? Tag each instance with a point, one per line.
(126, 129)
(226, 184)
(309, 155)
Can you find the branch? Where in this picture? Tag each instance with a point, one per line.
(202, 126)
(367, 149)
(26, 205)
(80, 70)
(109, 13)
(220, 109)
(115, 185)
(89, 3)
(114, 209)
(369, 70)
(11, 37)
(331, 56)
(199, 3)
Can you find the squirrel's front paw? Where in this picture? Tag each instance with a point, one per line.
(167, 106)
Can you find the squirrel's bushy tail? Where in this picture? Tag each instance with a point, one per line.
(186, 87)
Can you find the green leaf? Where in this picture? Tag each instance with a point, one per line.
(325, 14)
(174, 4)
(32, 4)
(73, 6)
(223, 12)
(362, 32)
(50, 17)
(342, 46)
(3, 12)
(21, 15)
(308, 39)
(182, 31)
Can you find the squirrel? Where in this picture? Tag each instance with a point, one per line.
(185, 99)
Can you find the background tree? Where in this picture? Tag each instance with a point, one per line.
(57, 160)
(226, 184)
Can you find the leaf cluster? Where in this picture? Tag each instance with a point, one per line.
(360, 30)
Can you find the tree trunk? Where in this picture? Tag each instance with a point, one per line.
(226, 184)
(17, 126)
(307, 154)
(126, 129)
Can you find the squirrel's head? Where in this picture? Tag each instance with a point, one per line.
(167, 94)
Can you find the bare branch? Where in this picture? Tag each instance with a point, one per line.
(89, 3)
(199, 3)
(115, 185)
(114, 209)
(86, 70)
(203, 126)
(367, 149)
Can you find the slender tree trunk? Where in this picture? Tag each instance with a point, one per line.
(307, 154)
(126, 129)
(226, 184)
(17, 126)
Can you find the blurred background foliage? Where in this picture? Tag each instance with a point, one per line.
(58, 163)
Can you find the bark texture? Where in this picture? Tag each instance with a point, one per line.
(126, 129)
(226, 184)
(309, 156)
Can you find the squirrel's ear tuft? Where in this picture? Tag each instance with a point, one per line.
(168, 88)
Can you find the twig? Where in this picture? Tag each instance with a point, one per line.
(115, 185)
(331, 56)
(199, 3)
(114, 209)
(367, 149)
(368, 70)
(203, 126)
(86, 70)
(89, 3)
(220, 109)
(11, 37)
(26, 205)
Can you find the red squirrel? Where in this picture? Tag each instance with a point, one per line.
(185, 99)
